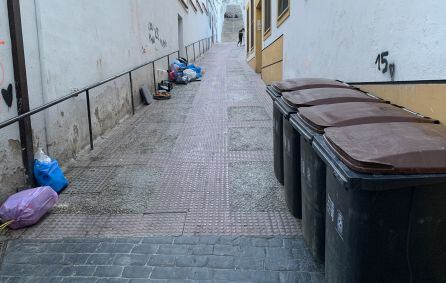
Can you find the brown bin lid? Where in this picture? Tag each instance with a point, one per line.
(306, 83)
(354, 113)
(393, 148)
(319, 96)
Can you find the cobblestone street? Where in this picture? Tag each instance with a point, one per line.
(183, 191)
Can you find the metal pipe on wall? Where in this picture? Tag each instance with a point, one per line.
(21, 88)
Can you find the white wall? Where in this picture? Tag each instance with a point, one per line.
(74, 43)
(11, 172)
(82, 42)
(342, 39)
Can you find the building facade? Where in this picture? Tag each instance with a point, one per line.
(71, 44)
(394, 50)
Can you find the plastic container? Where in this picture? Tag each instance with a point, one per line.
(311, 122)
(385, 196)
(288, 104)
(280, 87)
(275, 91)
(278, 141)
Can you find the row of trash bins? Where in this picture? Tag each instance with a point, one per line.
(367, 178)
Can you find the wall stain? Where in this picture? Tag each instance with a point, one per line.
(75, 136)
(15, 147)
(98, 117)
(99, 64)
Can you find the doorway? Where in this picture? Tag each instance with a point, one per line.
(180, 36)
(258, 36)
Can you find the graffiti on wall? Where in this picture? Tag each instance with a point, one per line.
(384, 66)
(7, 95)
(154, 35)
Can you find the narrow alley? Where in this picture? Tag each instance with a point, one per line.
(242, 141)
(182, 191)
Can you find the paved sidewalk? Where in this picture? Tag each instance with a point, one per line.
(184, 189)
(161, 259)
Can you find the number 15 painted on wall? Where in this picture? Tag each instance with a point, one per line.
(382, 61)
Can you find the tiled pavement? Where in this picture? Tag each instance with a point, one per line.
(182, 191)
(161, 259)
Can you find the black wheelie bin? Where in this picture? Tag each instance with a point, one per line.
(386, 202)
(275, 90)
(288, 104)
(311, 122)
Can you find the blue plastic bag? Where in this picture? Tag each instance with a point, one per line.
(196, 70)
(50, 174)
(180, 65)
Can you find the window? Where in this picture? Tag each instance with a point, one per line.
(252, 25)
(267, 16)
(248, 28)
(283, 11)
(283, 6)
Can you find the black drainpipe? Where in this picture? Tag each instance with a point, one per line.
(21, 88)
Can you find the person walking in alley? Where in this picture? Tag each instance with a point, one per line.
(240, 36)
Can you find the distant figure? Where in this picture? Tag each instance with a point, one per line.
(240, 37)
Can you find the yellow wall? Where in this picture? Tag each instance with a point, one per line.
(426, 99)
(272, 61)
(252, 63)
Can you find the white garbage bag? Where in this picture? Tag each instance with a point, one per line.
(191, 74)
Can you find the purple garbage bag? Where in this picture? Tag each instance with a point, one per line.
(27, 207)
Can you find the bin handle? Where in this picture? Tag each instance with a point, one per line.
(282, 110)
(339, 176)
(302, 131)
(271, 94)
(336, 173)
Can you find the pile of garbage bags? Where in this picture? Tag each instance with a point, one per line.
(181, 72)
(27, 207)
